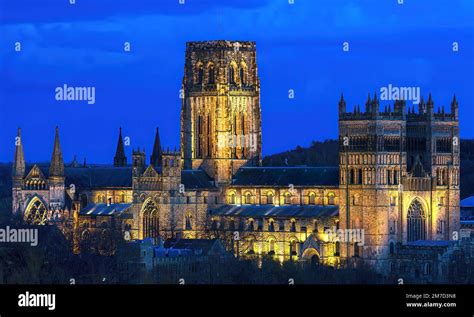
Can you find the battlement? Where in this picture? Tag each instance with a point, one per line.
(168, 152)
(220, 45)
(399, 111)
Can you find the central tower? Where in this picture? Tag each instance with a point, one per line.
(220, 112)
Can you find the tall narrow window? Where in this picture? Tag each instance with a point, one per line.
(150, 220)
(211, 75)
(200, 74)
(231, 75)
(293, 226)
(271, 247)
(242, 76)
(416, 222)
(188, 225)
(208, 136)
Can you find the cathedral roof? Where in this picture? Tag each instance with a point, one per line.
(285, 211)
(283, 176)
(106, 176)
(196, 179)
(103, 209)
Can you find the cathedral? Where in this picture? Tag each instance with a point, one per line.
(396, 186)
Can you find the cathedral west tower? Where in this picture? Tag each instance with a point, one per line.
(220, 114)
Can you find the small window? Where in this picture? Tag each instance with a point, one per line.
(211, 75)
(427, 269)
(293, 226)
(271, 226)
(331, 199)
(188, 224)
(271, 247)
(250, 226)
(270, 199)
(248, 198)
(293, 247)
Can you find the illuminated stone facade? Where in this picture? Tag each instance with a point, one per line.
(398, 177)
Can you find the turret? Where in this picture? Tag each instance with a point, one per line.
(138, 158)
(454, 108)
(430, 106)
(342, 104)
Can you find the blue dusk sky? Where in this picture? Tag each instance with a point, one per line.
(299, 47)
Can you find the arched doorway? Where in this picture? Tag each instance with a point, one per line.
(416, 222)
(151, 224)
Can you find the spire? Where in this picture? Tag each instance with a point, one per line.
(120, 159)
(19, 160)
(454, 108)
(430, 106)
(375, 104)
(368, 104)
(155, 158)
(342, 104)
(57, 164)
(74, 162)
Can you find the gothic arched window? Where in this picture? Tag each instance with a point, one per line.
(188, 225)
(242, 76)
(211, 75)
(151, 224)
(36, 214)
(231, 75)
(416, 222)
(200, 74)
(312, 199)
